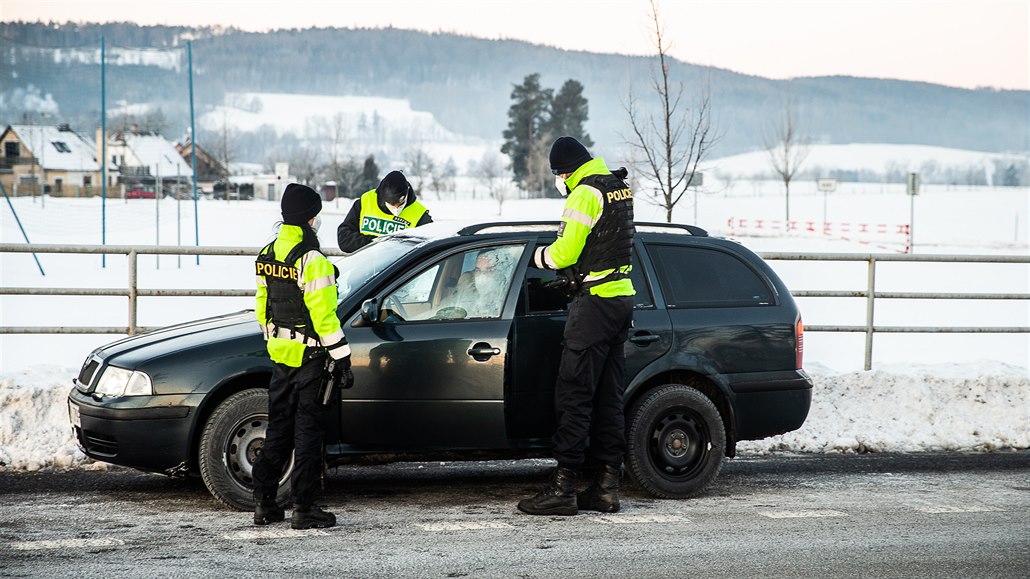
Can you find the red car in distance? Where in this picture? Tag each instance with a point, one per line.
(140, 192)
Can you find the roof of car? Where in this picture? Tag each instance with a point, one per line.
(467, 228)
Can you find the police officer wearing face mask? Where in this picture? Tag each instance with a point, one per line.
(296, 308)
(594, 245)
(389, 207)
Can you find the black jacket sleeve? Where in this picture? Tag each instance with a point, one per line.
(348, 234)
(424, 219)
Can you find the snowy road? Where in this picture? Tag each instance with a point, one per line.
(918, 515)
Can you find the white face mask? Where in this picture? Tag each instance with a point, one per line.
(396, 210)
(559, 184)
(316, 223)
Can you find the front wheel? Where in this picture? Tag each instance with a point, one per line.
(232, 439)
(676, 441)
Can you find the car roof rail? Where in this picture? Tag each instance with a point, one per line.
(509, 226)
(650, 227)
(506, 226)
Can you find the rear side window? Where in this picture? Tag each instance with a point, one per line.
(703, 278)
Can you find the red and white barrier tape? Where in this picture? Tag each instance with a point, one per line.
(864, 233)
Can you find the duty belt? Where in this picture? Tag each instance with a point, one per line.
(295, 334)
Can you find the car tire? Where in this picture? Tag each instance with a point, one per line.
(232, 438)
(675, 442)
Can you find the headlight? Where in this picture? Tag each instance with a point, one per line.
(121, 382)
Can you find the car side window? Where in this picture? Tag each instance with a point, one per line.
(693, 277)
(467, 285)
(544, 291)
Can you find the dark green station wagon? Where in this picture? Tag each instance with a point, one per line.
(456, 339)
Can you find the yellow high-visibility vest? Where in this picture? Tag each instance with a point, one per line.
(374, 221)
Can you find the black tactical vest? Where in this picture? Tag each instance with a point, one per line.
(285, 306)
(610, 242)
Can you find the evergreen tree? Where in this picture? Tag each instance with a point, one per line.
(370, 174)
(569, 112)
(527, 121)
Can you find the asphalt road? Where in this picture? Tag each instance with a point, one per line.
(882, 515)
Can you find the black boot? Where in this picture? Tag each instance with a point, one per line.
(557, 498)
(265, 510)
(603, 494)
(264, 514)
(311, 517)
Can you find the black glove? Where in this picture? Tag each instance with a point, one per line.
(342, 374)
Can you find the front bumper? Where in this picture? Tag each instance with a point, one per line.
(146, 432)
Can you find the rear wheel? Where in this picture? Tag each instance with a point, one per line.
(232, 439)
(676, 442)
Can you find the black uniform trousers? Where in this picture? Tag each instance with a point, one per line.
(296, 423)
(589, 390)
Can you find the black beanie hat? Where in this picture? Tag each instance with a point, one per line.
(300, 203)
(567, 155)
(393, 188)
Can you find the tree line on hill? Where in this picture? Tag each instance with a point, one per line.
(464, 82)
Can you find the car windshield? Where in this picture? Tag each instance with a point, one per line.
(366, 263)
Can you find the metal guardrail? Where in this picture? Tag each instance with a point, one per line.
(133, 292)
(870, 293)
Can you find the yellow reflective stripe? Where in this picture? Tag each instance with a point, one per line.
(579, 216)
(261, 281)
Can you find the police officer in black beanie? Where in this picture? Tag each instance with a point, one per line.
(296, 308)
(594, 245)
(390, 207)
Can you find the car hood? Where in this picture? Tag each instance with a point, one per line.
(134, 350)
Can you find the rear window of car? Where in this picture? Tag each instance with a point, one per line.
(692, 277)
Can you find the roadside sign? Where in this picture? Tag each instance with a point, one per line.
(912, 184)
(827, 185)
(696, 180)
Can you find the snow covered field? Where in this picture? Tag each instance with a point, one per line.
(926, 392)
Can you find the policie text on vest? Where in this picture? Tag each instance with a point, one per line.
(379, 226)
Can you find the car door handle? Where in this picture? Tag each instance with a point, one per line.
(482, 351)
(644, 339)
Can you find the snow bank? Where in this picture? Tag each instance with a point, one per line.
(982, 407)
(958, 407)
(34, 428)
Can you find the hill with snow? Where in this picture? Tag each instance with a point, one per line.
(349, 125)
(882, 162)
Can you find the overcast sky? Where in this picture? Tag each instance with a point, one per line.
(965, 43)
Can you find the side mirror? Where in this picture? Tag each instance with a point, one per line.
(369, 311)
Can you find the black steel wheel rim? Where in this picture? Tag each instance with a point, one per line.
(679, 445)
(242, 448)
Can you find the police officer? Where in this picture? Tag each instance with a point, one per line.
(595, 240)
(296, 307)
(389, 207)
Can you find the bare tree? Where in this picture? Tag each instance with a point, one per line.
(674, 141)
(419, 165)
(788, 147)
(304, 162)
(496, 177)
(226, 142)
(339, 134)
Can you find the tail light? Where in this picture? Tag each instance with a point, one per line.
(799, 341)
